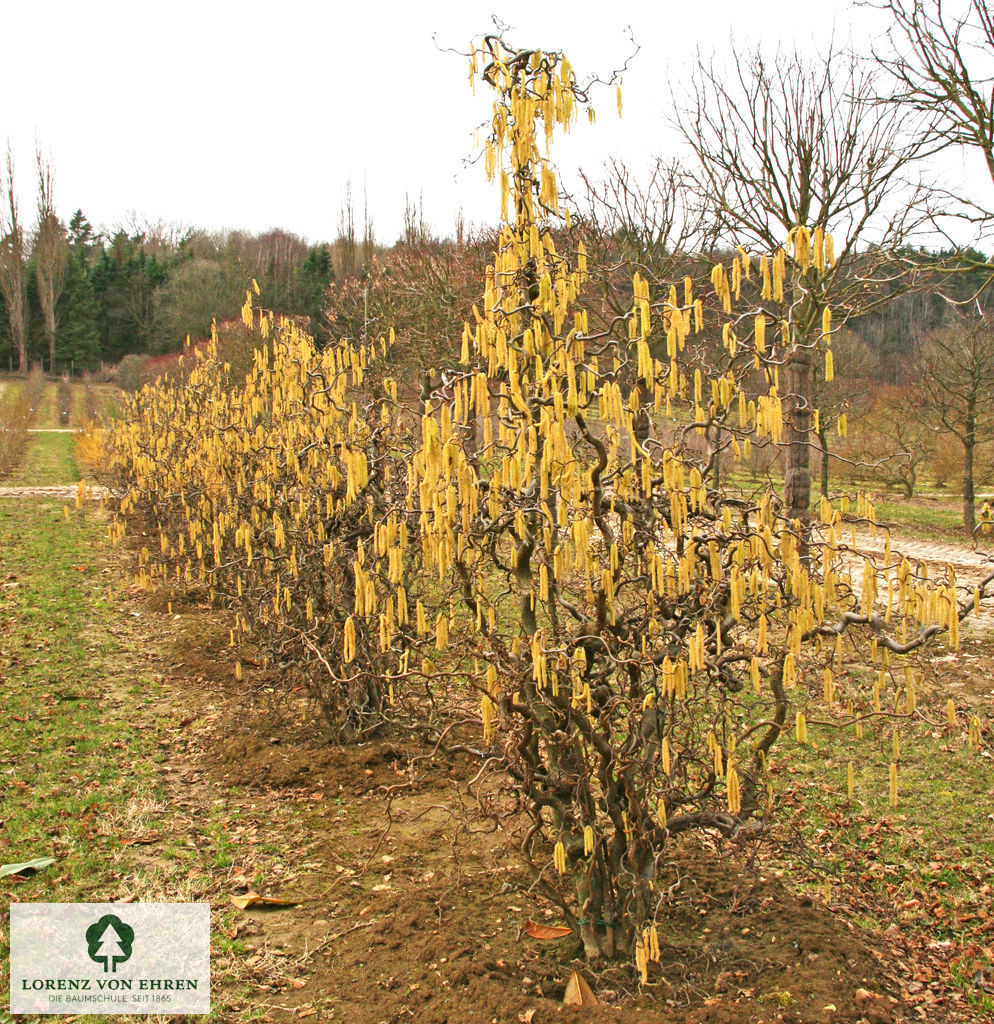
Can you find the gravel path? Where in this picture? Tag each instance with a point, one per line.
(971, 565)
(93, 492)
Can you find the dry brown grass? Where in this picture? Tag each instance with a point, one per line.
(17, 412)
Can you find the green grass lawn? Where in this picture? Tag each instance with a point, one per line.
(46, 414)
(70, 769)
(50, 459)
(108, 398)
(923, 864)
(10, 389)
(78, 404)
(945, 793)
(930, 514)
(924, 518)
(86, 726)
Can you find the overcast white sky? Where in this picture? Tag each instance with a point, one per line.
(248, 115)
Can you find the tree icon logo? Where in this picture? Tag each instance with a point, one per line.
(109, 942)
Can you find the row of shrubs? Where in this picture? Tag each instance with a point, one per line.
(523, 561)
(18, 406)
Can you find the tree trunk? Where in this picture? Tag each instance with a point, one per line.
(969, 516)
(908, 481)
(50, 331)
(797, 430)
(21, 341)
(823, 441)
(969, 445)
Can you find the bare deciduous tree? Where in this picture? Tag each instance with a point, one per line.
(345, 243)
(940, 62)
(785, 143)
(353, 254)
(13, 266)
(51, 254)
(956, 374)
(892, 447)
(639, 222)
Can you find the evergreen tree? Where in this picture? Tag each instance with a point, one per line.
(315, 274)
(78, 339)
(125, 278)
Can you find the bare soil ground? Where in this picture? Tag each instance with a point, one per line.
(412, 908)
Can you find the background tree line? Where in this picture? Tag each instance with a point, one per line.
(72, 296)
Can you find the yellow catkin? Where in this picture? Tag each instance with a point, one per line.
(734, 794)
(349, 651)
(974, 737)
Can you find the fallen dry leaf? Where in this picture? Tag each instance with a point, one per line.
(545, 931)
(253, 899)
(578, 992)
(152, 837)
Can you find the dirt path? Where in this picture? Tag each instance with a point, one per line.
(970, 565)
(934, 552)
(94, 492)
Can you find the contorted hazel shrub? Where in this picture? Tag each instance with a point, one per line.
(553, 535)
(277, 493)
(635, 634)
